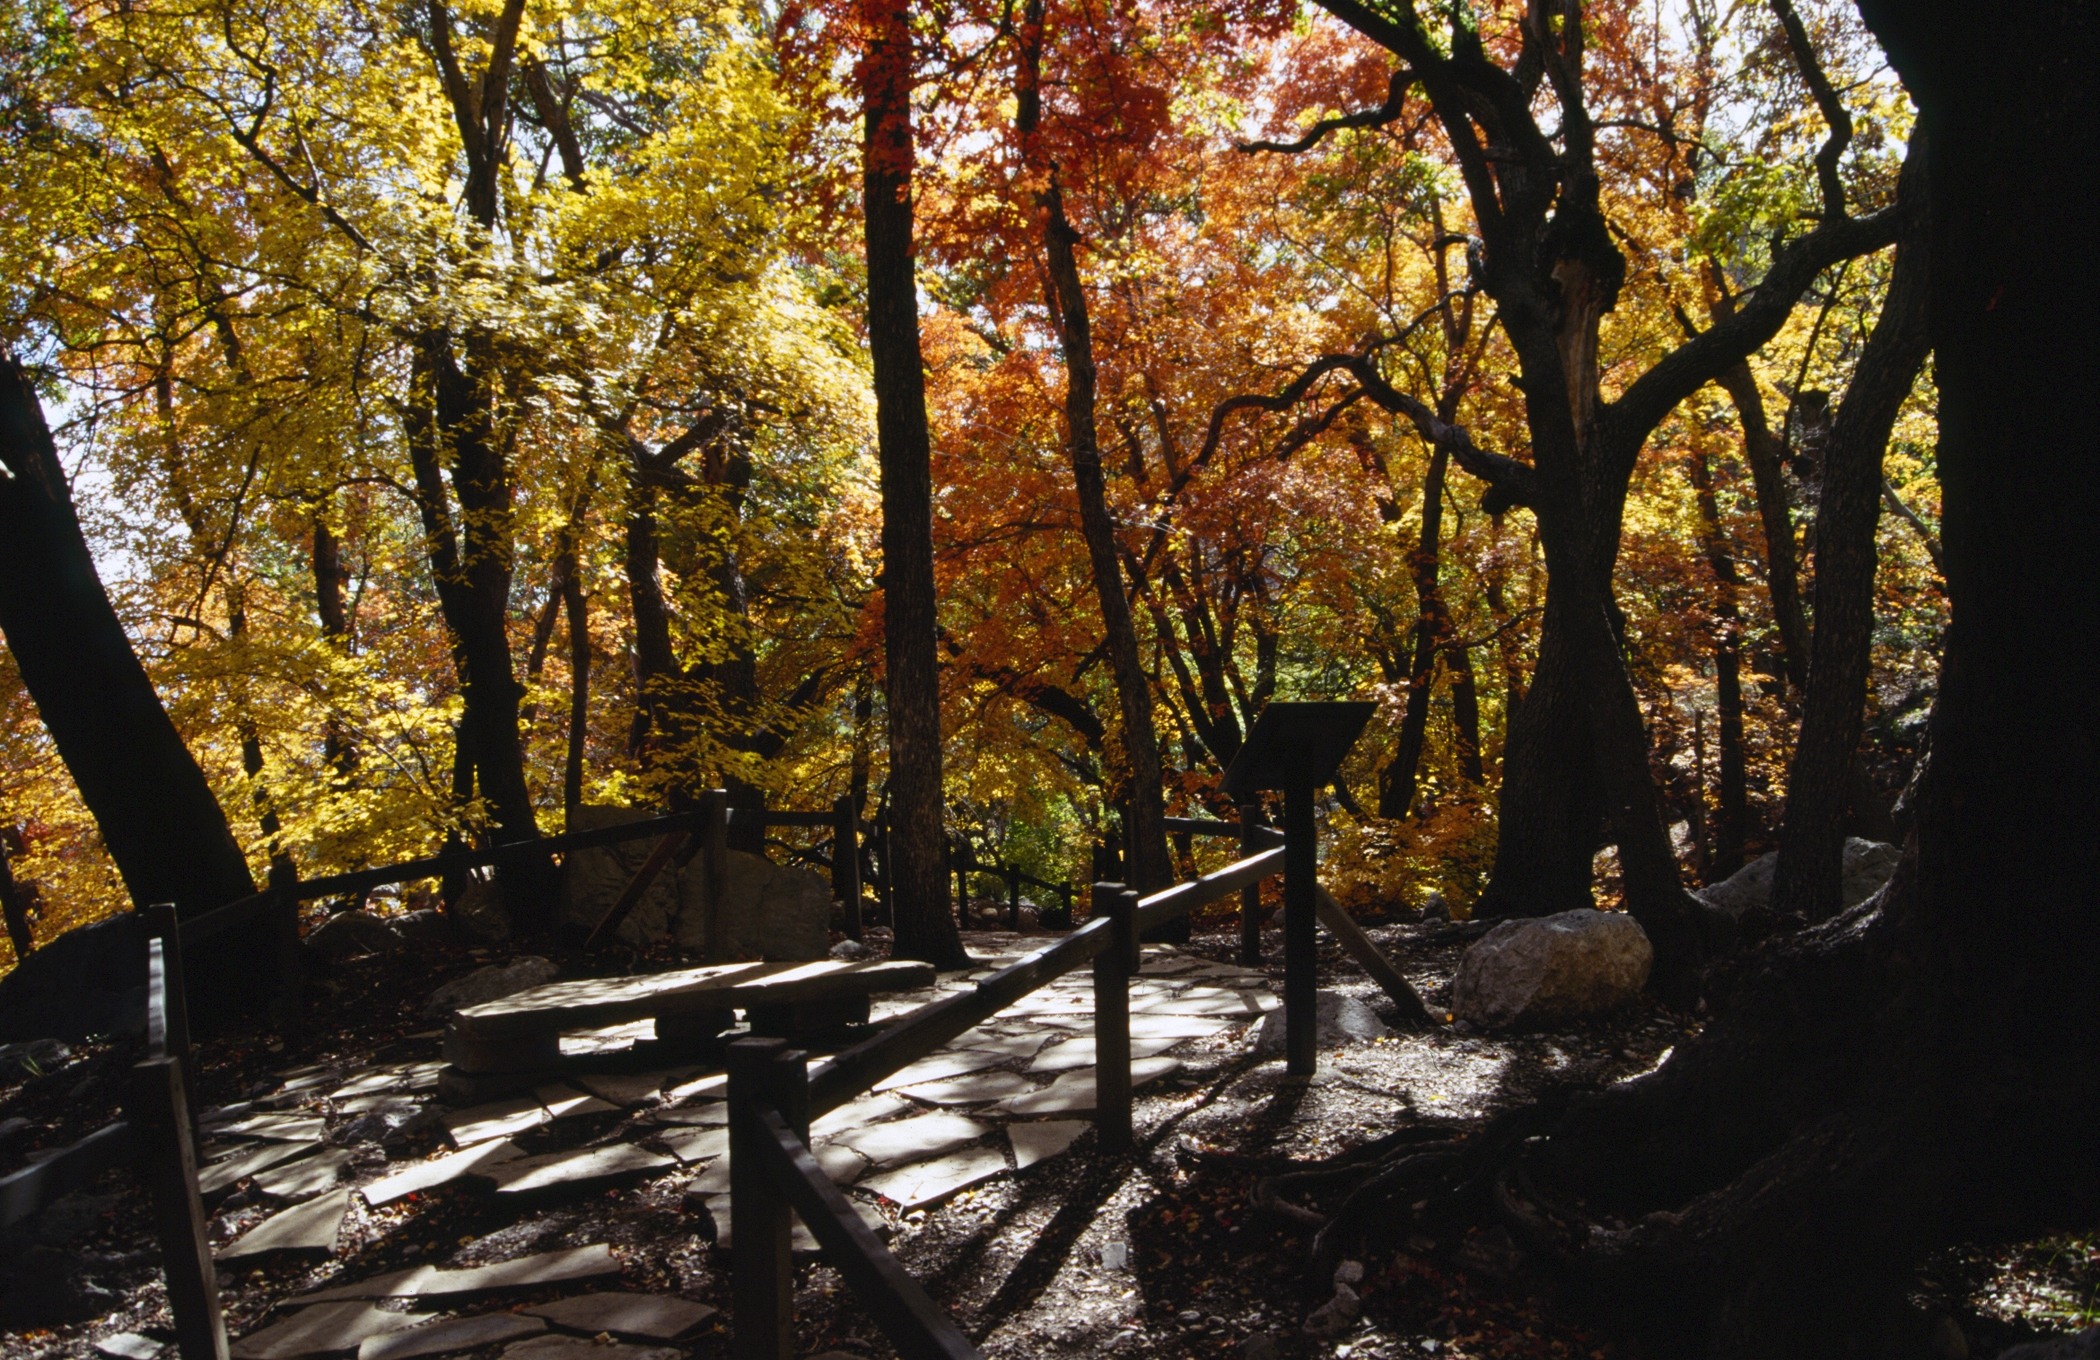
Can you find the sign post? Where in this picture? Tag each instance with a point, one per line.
(1297, 748)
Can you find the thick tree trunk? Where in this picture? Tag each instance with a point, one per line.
(1820, 778)
(1731, 826)
(1923, 1071)
(922, 918)
(158, 816)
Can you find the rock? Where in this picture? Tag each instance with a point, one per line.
(1350, 1273)
(353, 934)
(425, 927)
(2084, 1345)
(1434, 908)
(91, 980)
(1868, 865)
(1550, 970)
(20, 1062)
(850, 950)
(1260, 1346)
(480, 914)
(43, 1291)
(488, 984)
(1342, 1021)
(1336, 1316)
(768, 912)
(74, 1216)
(128, 1346)
(593, 879)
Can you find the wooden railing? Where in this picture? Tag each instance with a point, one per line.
(965, 862)
(158, 1136)
(777, 1095)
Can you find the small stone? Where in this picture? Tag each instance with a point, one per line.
(128, 1346)
(425, 927)
(1260, 1346)
(1335, 1317)
(1350, 1273)
(851, 950)
(1434, 908)
(1189, 1317)
(1115, 1255)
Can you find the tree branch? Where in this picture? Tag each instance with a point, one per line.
(1389, 111)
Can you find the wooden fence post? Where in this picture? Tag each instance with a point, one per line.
(1300, 946)
(762, 1072)
(845, 861)
(1250, 896)
(161, 925)
(161, 1111)
(1113, 968)
(714, 850)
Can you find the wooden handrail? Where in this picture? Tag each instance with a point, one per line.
(914, 1323)
(1164, 906)
(911, 1037)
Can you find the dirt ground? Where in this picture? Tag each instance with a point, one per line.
(1026, 1262)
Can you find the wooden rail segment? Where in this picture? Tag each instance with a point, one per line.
(158, 1137)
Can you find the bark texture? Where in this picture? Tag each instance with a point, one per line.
(158, 816)
(1921, 1070)
(1821, 778)
(922, 915)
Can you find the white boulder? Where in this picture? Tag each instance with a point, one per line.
(1552, 969)
(1868, 865)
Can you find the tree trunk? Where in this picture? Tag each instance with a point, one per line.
(1731, 827)
(579, 625)
(1396, 783)
(1764, 453)
(1820, 779)
(158, 816)
(1150, 867)
(329, 579)
(1920, 1072)
(922, 917)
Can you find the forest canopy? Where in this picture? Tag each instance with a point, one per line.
(470, 411)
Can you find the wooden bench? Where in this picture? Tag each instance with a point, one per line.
(522, 1032)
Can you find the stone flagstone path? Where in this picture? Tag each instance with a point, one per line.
(1008, 1094)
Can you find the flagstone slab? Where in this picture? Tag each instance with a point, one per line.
(556, 1347)
(562, 1101)
(321, 1330)
(1227, 1003)
(974, 1089)
(904, 1140)
(1016, 1045)
(424, 1175)
(542, 1268)
(659, 1317)
(698, 1116)
(1043, 1139)
(632, 1088)
(924, 1183)
(713, 1181)
(282, 1128)
(453, 1334)
(1183, 1026)
(602, 1001)
(1079, 1052)
(939, 1067)
(311, 1226)
(305, 1178)
(368, 1104)
(714, 1086)
(212, 1179)
(128, 1346)
(1073, 1093)
(697, 1145)
(578, 1167)
(841, 1163)
(497, 1119)
(857, 1113)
